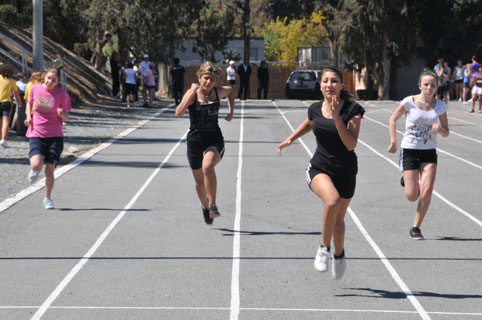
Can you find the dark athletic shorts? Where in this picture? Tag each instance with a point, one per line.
(466, 84)
(345, 185)
(130, 88)
(195, 152)
(232, 82)
(5, 108)
(49, 148)
(459, 81)
(442, 90)
(411, 159)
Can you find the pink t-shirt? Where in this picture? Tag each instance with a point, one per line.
(150, 78)
(45, 121)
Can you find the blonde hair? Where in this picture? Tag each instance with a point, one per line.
(210, 69)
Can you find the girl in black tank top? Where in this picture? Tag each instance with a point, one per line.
(205, 142)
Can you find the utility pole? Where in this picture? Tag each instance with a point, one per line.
(38, 34)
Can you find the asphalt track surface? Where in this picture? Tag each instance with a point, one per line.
(127, 239)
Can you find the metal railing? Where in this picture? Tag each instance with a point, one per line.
(24, 54)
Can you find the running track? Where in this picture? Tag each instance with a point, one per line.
(127, 240)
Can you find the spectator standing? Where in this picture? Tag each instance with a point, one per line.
(458, 78)
(231, 74)
(143, 68)
(7, 87)
(244, 72)
(443, 89)
(263, 80)
(52, 106)
(135, 67)
(114, 70)
(477, 89)
(467, 76)
(21, 83)
(177, 76)
(150, 83)
(474, 66)
(131, 77)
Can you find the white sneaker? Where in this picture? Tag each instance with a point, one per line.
(3, 143)
(32, 176)
(465, 102)
(460, 99)
(48, 204)
(338, 267)
(321, 259)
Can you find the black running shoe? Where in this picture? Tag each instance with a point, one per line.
(402, 182)
(416, 234)
(207, 219)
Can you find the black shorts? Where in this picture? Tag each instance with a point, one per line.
(195, 152)
(232, 82)
(49, 148)
(345, 185)
(442, 90)
(412, 159)
(459, 81)
(5, 109)
(466, 84)
(130, 88)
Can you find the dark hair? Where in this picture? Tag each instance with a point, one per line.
(129, 65)
(344, 94)
(176, 60)
(6, 71)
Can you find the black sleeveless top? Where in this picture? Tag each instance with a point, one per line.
(204, 121)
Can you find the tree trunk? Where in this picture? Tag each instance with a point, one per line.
(246, 34)
(333, 53)
(386, 74)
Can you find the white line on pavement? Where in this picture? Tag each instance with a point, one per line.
(7, 203)
(421, 311)
(45, 306)
(235, 301)
(438, 195)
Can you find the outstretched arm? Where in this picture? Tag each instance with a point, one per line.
(302, 129)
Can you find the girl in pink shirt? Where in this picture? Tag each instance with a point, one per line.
(52, 106)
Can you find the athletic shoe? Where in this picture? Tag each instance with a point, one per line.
(460, 99)
(32, 176)
(416, 234)
(206, 216)
(321, 259)
(465, 102)
(213, 211)
(338, 266)
(402, 182)
(471, 111)
(48, 204)
(3, 143)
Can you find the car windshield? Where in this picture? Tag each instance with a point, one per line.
(305, 76)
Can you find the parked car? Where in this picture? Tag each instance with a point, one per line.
(304, 84)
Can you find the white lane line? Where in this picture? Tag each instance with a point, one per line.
(476, 314)
(420, 310)
(45, 306)
(438, 149)
(7, 203)
(438, 195)
(235, 300)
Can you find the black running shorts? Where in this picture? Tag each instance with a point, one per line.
(345, 185)
(411, 159)
(195, 152)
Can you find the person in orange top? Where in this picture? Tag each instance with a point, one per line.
(35, 78)
(7, 86)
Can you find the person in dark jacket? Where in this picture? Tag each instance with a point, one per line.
(244, 72)
(114, 70)
(263, 80)
(177, 74)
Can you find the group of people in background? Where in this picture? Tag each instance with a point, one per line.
(466, 80)
(244, 72)
(132, 77)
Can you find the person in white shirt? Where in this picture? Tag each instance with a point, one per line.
(130, 81)
(231, 73)
(418, 156)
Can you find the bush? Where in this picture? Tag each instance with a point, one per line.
(8, 14)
